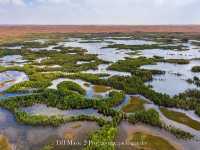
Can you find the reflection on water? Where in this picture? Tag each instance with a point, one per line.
(33, 138)
(170, 84)
(126, 130)
(102, 69)
(189, 113)
(132, 42)
(183, 70)
(171, 54)
(12, 60)
(7, 95)
(9, 78)
(169, 122)
(12, 47)
(191, 53)
(89, 88)
(40, 109)
(173, 81)
(107, 54)
(82, 62)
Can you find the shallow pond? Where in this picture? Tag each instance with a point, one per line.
(163, 83)
(189, 113)
(9, 78)
(131, 41)
(169, 122)
(40, 109)
(33, 138)
(173, 81)
(82, 62)
(126, 130)
(89, 88)
(12, 47)
(107, 54)
(171, 54)
(12, 60)
(102, 69)
(170, 84)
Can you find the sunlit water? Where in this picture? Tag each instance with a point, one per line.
(126, 130)
(169, 122)
(107, 54)
(172, 83)
(24, 137)
(12, 60)
(40, 109)
(9, 78)
(89, 88)
(102, 69)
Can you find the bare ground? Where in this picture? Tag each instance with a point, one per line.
(7, 31)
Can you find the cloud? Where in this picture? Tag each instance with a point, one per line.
(100, 11)
(12, 2)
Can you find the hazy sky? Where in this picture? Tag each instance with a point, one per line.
(99, 11)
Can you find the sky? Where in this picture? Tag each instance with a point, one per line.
(106, 12)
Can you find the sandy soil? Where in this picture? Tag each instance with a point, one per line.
(20, 30)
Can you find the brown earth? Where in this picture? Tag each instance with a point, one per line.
(20, 30)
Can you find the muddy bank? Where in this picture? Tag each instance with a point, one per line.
(126, 130)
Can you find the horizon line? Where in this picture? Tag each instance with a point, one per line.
(99, 24)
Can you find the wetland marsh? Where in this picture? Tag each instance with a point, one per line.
(103, 88)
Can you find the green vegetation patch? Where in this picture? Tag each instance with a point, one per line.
(39, 120)
(195, 69)
(195, 81)
(177, 61)
(146, 46)
(136, 85)
(103, 139)
(189, 100)
(150, 116)
(70, 85)
(131, 64)
(63, 99)
(28, 85)
(151, 142)
(181, 118)
(37, 80)
(196, 43)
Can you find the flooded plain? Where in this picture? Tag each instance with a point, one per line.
(175, 73)
(173, 82)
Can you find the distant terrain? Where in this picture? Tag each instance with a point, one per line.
(20, 30)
